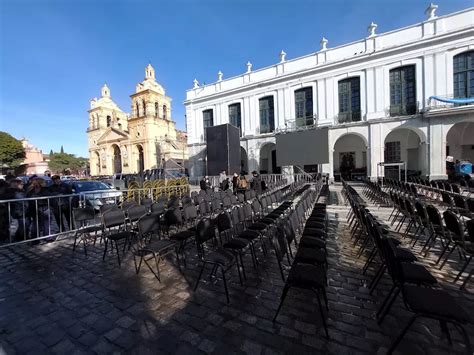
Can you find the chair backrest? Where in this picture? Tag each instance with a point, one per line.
(453, 225)
(434, 216)
(148, 224)
(127, 204)
(205, 230)
(190, 213)
(248, 212)
(216, 205)
(203, 208)
(224, 222)
(226, 201)
(186, 201)
(256, 208)
(113, 218)
(173, 217)
(241, 198)
(147, 202)
(108, 207)
(158, 207)
(455, 188)
(447, 198)
(279, 244)
(83, 215)
(470, 230)
(460, 202)
(421, 212)
(135, 212)
(173, 202)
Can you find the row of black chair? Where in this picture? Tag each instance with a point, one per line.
(412, 280)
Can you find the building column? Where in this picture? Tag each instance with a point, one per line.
(437, 150)
(375, 151)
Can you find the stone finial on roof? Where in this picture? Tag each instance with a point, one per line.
(324, 44)
(249, 67)
(219, 76)
(282, 56)
(431, 11)
(371, 29)
(195, 84)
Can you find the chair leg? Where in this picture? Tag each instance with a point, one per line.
(444, 251)
(322, 317)
(369, 260)
(105, 248)
(447, 257)
(118, 252)
(282, 299)
(225, 285)
(199, 277)
(377, 277)
(401, 335)
(466, 280)
(389, 305)
(463, 268)
(386, 300)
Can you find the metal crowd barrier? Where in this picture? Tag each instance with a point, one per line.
(33, 219)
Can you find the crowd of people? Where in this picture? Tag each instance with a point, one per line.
(26, 219)
(238, 184)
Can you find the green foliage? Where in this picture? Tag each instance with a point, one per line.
(62, 150)
(60, 163)
(12, 153)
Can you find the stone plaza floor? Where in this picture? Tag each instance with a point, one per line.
(55, 301)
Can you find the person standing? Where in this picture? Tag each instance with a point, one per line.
(256, 183)
(222, 177)
(61, 205)
(38, 209)
(19, 211)
(235, 180)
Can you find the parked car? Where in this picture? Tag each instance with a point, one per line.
(95, 193)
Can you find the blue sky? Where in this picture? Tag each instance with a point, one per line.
(56, 55)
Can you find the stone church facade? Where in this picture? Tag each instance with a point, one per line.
(145, 139)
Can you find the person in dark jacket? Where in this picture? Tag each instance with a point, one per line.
(235, 180)
(61, 205)
(202, 183)
(19, 210)
(256, 183)
(38, 209)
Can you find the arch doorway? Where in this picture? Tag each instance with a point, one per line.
(140, 159)
(268, 159)
(350, 157)
(404, 145)
(460, 145)
(244, 162)
(117, 159)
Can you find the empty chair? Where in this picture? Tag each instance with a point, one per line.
(86, 228)
(115, 231)
(221, 259)
(155, 250)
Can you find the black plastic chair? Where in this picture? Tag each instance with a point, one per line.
(115, 231)
(434, 304)
(220, 258)
(83, 218)
(156, 249)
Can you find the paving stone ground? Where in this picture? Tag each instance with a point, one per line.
(55, 301)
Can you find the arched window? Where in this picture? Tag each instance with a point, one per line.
(109, 121)
(156, 109)
(349, 100)
(267, 115)
(138, 108)
(403, 91)
(463, 75)
(304, 106)
(164, 112)
(144, 107)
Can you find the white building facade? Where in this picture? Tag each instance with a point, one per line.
(372, 94)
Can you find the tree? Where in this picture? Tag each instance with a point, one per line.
(12, 153)
(62, 162)
(51, 152)
(62, 150)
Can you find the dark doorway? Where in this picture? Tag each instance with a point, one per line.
(275, 169)
(117, 160)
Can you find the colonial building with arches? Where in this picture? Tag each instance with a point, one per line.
(375, 96)
(132, 143)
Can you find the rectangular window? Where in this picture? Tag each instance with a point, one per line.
(235, 117)
(304, 107)
(208, 120)
(463, 75)
(349, 100)
(403, 91)
(392, 152)
(267, 117)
